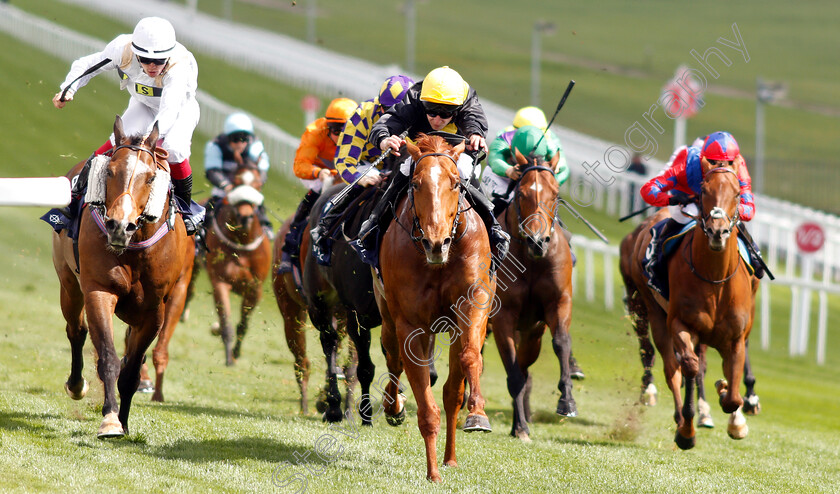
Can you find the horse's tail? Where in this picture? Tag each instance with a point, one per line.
(636, 308)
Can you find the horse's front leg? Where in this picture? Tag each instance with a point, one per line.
(415, 351)
(221, 297)
(559, 320)
(471, 342)
(503, 333)
(160, 355)
(329, 344)
(393, 400)
(99, 308)
(751, 404)
(250, 299)
(139, 340)
(690, 367)
(670, 366)
(359, 332)
(733, 356)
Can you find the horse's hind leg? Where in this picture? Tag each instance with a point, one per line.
(294, 318)
(730, 398)
(505, 336)
(160, 355)
(528, 350)
(359, 333)
(250, 299)
(146, 385)
(393, 401)
(72, 307)
(690, 365)
(639, 317)
(751, 403)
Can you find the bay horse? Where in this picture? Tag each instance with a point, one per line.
(343, 290)
(712, 300)
(537, 291)
(238, 255)
(134, 260)
(435, 257)
(293, 308)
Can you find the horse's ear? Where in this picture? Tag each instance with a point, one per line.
(413, 150)
(555, 162)
(460, 147)
(119, 134)
(520, 158)
(151, 141)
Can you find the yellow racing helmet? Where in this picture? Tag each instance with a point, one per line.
(340, 109)
(444, 86)
(530, 115)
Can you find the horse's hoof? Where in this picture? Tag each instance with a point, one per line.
(477, 423)
(566, 408)
(704, 415)
(216, 329)
(110, 427)
(79, 395)
(321, 406)
(737, 427)
(521, 435)
(684, 442)
(649, 395)
(751, 405)
(399, 418)
(146, 386)
(185, 315)
(578, 375)
(333, 416)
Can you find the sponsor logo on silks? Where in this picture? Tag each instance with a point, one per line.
(147, 90)
(122, 74)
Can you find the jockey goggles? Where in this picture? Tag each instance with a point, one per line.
(239, 137)
(335, 128)
(439, 110)
(151, 61)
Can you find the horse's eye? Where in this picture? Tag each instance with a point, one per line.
(150, 180)
(415, 185)
(110, 172)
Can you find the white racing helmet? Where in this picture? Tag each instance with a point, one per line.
(238, 122)
(153, 37)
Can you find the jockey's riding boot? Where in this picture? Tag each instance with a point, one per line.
(293, 238)
(381, 216)
(183, 189)
(758, 267)
(499, 239)
(654, 253)
(268, 228)
(78, 189)
(332, 211)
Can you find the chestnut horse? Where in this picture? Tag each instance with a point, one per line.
(712, 300)
(293, 309)
(537, 291)
(238, 255)
(434, 257)
(134, 261)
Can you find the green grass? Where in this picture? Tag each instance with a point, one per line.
(228, 429)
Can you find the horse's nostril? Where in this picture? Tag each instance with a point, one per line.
(131, 228)
(426, 244)
(447, 241)
(110, 224)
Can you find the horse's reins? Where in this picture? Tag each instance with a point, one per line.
(416, 219)
(715, 213)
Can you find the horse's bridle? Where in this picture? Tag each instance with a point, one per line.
(416, 219)
(516, 195)
(142, 218)
(715, 213)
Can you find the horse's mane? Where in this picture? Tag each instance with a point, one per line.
(433, 144)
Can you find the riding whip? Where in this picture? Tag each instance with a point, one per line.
(338, 197)
(749, 241)
(634, 213)
(87, 72)
(584, 220)
(559, 106)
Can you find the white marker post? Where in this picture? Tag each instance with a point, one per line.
(41, 191)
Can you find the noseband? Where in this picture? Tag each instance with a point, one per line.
(717, 213)
(416, 219)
